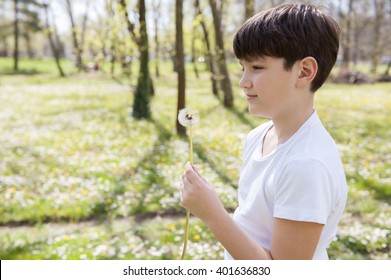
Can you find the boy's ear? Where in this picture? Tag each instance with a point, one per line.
(308, 67)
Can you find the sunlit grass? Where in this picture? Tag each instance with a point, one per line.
(71, 153)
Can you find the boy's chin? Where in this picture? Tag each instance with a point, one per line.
(257, 113)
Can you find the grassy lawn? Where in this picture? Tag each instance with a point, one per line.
(80, 179)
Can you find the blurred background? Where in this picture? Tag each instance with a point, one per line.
(91, 153)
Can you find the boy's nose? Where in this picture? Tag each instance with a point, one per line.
(245, 81)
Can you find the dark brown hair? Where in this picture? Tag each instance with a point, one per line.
(292, 32)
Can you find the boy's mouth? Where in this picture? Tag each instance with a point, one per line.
(250, 96)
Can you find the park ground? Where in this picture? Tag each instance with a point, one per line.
(81, 179)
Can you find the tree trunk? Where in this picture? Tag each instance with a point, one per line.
(16, 36)
(376, 51)
(76, 45)
(84, 28)
(193, 53)
(27, 39)
(346, 40)
(138, 39)
(141, 105)
(387, 72)
(356, 45)
(157, 51)
(144, 88)
(112, 61)
(180, 64)
(57, 42)
(112, 38)
(209, 55)
(52, 44)
(225, 81)
(249, 9)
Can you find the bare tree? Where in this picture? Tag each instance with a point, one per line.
(249, 9)
(377, 49)
(360, 21)
(77, 50)
(224, 78)
(346, 21)
(53, 47)
(144, 88)
(180, 64)
(84, 27)
(157, 7)
(386, 72)
(113, 36)
(57, 42)
(16, 35)
(209, 54)
(27, 38)
(193, 50)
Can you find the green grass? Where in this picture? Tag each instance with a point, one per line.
(80, 179)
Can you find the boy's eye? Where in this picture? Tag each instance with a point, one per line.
(255, 67)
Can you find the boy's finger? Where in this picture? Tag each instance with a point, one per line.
(195, 169)
(198, 173)
(192, 175)
(188, 165)
(191, 167)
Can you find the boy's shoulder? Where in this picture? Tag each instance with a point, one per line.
(313, 143)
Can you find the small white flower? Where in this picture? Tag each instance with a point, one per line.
(187, 117)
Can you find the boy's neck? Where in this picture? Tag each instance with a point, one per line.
(289, 123)
(283, 129)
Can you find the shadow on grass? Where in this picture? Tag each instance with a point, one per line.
(101, 210)
(149, 164)
(123, 80)
(202, 153)
(160, 150)
(8, 71)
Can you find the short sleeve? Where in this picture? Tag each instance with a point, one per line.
(304, 192)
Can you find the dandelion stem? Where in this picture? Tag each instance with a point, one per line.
(187, 211)
(191, 143)
(186, 235)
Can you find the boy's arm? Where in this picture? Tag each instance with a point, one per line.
(235, 240)
(290, 240)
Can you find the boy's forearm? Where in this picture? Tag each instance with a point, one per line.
(234, 239)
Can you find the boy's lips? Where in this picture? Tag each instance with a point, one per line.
(251, 96)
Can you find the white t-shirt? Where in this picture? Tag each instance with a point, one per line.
(301, 180)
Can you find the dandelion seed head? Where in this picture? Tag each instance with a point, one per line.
(188, 117)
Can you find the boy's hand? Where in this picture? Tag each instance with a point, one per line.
(198, 196)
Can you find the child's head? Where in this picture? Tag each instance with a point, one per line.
(292, 32)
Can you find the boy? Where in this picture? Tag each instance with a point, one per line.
(292, 188)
